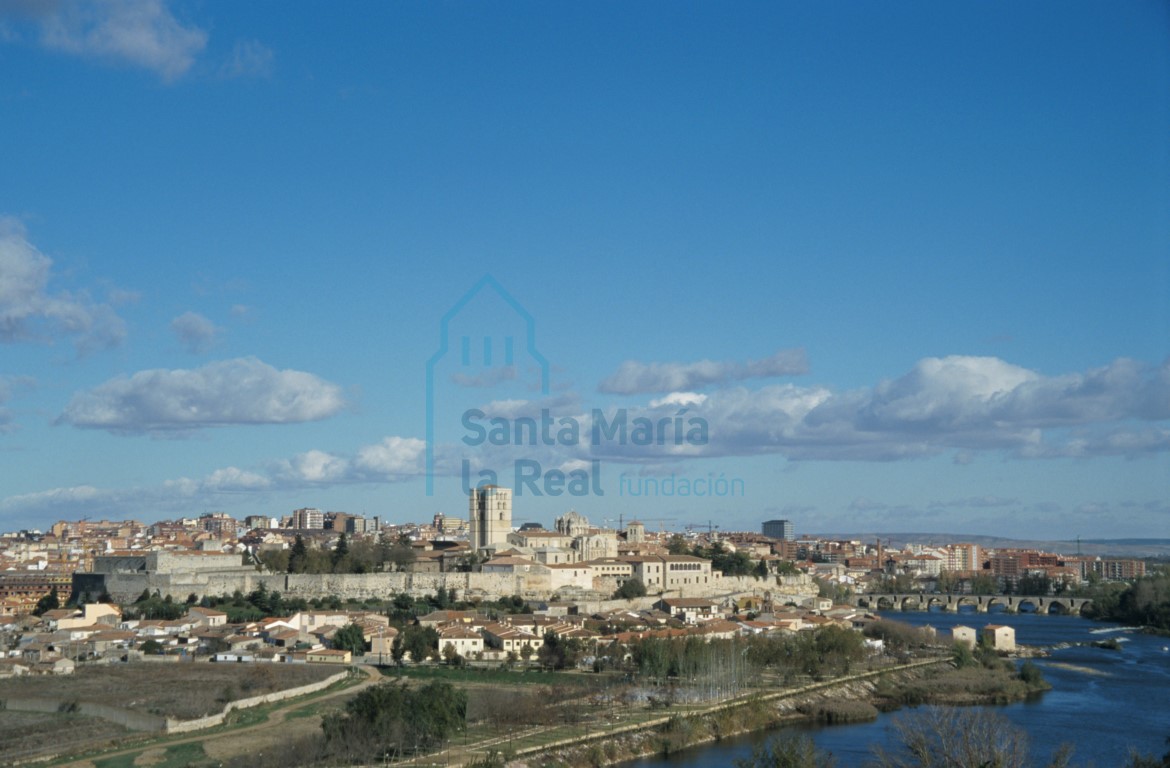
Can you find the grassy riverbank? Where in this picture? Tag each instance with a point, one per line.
(855, 698)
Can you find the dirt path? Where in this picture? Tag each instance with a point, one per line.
(248, 738)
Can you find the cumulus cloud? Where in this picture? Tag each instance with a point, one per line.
(141, 33)
(77, 493)
(635, 377)
(394, 456)
(680, 399)
(391, 460)
(29, 311)
(240, 391)
(235, 479)
(317, 467)
(961, 404)
(195, 332)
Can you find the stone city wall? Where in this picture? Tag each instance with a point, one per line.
(127, 587)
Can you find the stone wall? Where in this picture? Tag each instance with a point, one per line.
(127, 587)
(185, 726)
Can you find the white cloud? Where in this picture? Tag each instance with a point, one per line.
(51, 497)
(142, 33)
(195, 332)
(393, 456)
(961, 404)
(317, 467)
(635, 377)
(29, 311)
(240, 391)
(249, 58)
(233, 479)
(680, 399)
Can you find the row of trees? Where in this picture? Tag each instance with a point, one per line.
(386, 553)
(1146, 602)
(830, 650)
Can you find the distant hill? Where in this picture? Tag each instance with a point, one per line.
(1099, 547)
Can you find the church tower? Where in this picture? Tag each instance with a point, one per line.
(490, 515)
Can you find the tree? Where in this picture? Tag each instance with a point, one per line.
(402, 606)
(298, 556)
(559, 653)
(1034, 584)
(1137, 760)
(838, 593)
(391, 718)
(957, 737)
(947, 582)
(787, 751)
(677, 545)
(962, 656)
(49, 602)
(350, 638)
(451, 656)
(401, 554)
(151, 646)
(630, 589)
(340, 551)
(419, 642)
(984, 584)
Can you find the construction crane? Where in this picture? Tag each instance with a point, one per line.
(710, 526)
(661, 522)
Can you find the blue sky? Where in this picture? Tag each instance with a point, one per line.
(908, 262)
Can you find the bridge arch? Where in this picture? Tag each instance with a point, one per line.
(1009, 604)
(961, 600)
(942, 601)
(911, 602)
(1021, 604)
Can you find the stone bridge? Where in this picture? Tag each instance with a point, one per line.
(918, 601)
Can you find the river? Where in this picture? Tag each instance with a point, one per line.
(1102, 702)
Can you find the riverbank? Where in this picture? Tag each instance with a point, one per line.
(855, 698)
(850, 697)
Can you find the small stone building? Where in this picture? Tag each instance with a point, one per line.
(965, 635)
(999, 637)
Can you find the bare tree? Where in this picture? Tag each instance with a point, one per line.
(952, 737)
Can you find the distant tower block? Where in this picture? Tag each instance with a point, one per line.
(490, 515)
(779, 529)
(635, 532)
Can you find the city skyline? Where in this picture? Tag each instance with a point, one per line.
(907, 265)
